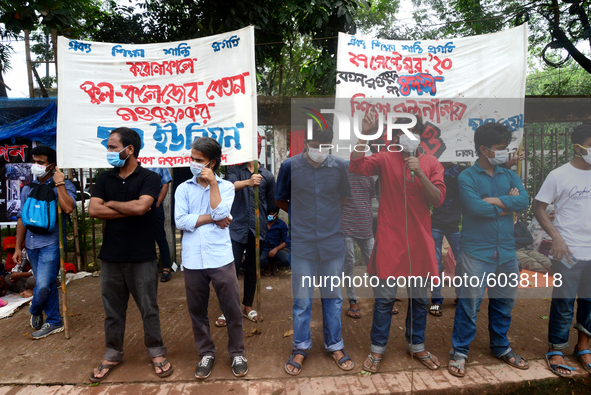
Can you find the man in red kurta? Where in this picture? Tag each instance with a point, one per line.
(390, 258)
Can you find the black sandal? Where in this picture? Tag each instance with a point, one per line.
(296, 365)
(109, 366)
(163, 373)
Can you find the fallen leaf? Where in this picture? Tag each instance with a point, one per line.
(544, 317)
(401, 328)
(254, 332)
(288, 333)
(278, 392)
(93, 384)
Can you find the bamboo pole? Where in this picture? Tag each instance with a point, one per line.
(257, 232)
(62, 271)
(76, 235)
(92, 226)
(83, 251)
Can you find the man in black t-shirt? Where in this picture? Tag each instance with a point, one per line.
(125, 197)
(445, 221)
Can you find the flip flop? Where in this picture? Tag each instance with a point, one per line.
(435, 310)
(355, 312)
(426, 358)
(109, 366)
(161, 365)
(506, 358)
(577, 355)
(220, 324)
(373, 361)
(291, 362)
(395, 310)
(250, 316)
(342, 360)
(459, 363)
(553, 366)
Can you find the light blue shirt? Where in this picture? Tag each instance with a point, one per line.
(208, 246)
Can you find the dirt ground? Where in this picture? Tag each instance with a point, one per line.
(56, 360)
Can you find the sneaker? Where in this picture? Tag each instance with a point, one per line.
(239, 366)
(36, 321)
(203, 369)
(46, 330)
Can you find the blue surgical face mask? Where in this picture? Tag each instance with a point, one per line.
(197, 167)
(270, 217)
(114, 159)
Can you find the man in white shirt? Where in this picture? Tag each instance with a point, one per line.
(569, 187)
(202, 212)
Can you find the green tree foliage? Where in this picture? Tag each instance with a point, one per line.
(570, 80)
(556, 26)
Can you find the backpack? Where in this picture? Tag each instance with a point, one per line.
(39, 212)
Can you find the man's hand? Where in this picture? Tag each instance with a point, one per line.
(17, 256)
(515, 158)
(413, 164)
(273, 252)
(208, 175)
(514, 192)
(370, 121)
(14, 277)
(223, 223)
(255, 180)
(559, 248)
(58, 176)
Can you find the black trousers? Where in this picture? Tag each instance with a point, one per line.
(118, 280)
(225, 284)
(249, 265)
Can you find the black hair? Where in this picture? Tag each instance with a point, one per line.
(47, 151)
(272, 208)
(321, 134)
(419, 127)
(210, 149)
(581, 133)
(129, 137)
(490, 134)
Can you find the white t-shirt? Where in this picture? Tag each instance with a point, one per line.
(570, 190)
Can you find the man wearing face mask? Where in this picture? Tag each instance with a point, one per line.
(311, 187)
(43, 249)
(569, 187)
(202, 212)
(126, 198)
(390, 257)
(490, 194)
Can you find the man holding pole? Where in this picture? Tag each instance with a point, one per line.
(43, 248)
(126, 198)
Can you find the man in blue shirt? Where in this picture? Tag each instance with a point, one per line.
(202, 212)
(489, 195)
(165, 179)
(311, 187)
(43, 249)
(276, 240)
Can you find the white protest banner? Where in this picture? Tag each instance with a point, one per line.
(170, 93)
(454, 85)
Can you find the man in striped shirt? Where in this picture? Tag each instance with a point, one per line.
(356, 222)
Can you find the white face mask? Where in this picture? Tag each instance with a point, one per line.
(409, 145)
(39, 171)
(586, 158)
(197, 167)
(318, 155)
(500, 157)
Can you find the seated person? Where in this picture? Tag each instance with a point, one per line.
(542, 241)
(20, 277)
(277, 239)
(528, 258)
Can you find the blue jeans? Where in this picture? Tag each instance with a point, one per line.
(161, 238)
(500, 304)
(366, 247)
(332, 301)
(282, 258)
(45, 262)
(574, 281)
(454, 242)
(385, 296)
